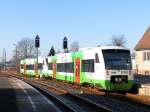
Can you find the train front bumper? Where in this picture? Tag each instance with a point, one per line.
(122, 86)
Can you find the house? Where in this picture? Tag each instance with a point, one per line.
(142, 54)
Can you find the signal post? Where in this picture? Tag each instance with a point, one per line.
(37, 45)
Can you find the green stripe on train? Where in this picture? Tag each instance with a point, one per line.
(103, 84)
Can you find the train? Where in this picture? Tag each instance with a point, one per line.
(106, 67)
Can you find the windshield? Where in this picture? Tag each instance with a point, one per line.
(116, 59)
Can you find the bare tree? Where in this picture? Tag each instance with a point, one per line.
(118, 40)
(26, 49)
(74, 46)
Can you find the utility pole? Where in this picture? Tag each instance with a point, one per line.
(16, 59)
(4, 58)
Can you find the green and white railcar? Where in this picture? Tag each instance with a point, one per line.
(29, 67)
(48, 68)
(29, 63)
(65, 67)
(22, 63)
(106, 67)
(41, 62)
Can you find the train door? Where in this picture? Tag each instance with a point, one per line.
(54, 69)
(77, 67)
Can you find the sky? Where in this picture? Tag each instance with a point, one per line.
(89, 22)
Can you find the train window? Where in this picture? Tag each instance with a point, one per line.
(29, 67)
(60, 67)
(96, 58)
(88, 65)
(65, 67)
(69, 67)
(22, 66)
(40, 66)
(50, 66)
(46, 60)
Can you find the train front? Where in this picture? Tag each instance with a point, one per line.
(118, 67)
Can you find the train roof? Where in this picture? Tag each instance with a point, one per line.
(103, 47)
(113, 47)
(82, 49)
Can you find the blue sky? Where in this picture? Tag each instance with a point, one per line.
(90, 22)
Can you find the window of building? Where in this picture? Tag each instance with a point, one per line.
(88, 65)
(146, 56)
(146, 72)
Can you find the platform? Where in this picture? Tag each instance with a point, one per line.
(17, 96)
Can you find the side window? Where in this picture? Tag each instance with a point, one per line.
(60, 67)
(88, 65)
(47, 60)
(40, 66)
(22, 66)
(32, 67)
(96, 58)
(29, 67)
(65, 67)
(43, 62)
(50, 66)
(69, 67)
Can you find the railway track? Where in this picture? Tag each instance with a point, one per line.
(76, 102)
(112, 102)
(70, 102)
